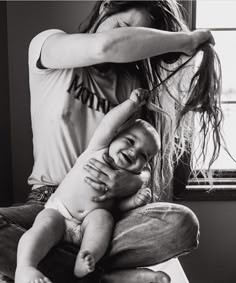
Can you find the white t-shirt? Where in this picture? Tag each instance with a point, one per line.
(66, 107)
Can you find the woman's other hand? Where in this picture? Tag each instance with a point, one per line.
(111, 181)
(198, 37)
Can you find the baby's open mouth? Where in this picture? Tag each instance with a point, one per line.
(127, 158)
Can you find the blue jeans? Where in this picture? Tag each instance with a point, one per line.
(144, 236)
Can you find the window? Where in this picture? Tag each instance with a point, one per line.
(219, 17)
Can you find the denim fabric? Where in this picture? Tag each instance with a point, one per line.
(142, 237)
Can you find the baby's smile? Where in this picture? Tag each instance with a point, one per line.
(129, 159)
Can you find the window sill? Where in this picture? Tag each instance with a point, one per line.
(222, 189)
(206, 194)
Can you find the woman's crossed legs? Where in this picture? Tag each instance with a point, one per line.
(143, 237)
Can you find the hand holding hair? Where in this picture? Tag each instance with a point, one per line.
(199, 37)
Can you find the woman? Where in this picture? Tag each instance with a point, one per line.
(74, 81)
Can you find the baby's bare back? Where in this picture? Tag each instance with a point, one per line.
(75, 194)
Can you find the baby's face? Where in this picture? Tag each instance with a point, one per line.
(132, 149)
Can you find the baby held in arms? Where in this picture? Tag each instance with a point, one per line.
(71, 213)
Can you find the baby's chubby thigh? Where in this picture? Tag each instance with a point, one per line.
(98, 216)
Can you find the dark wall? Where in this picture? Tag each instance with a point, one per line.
(214, 260)
(25, 19)
(5, 138)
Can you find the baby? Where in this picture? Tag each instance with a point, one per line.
(71, 214)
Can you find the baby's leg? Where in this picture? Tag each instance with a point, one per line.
(46, 231)
(97, 229)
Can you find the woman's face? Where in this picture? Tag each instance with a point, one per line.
(130, 18)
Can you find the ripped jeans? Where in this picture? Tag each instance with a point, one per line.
(142, 237)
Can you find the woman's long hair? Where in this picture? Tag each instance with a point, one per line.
(180, 89)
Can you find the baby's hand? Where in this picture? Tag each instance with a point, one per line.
(142, 197)
(139, 96)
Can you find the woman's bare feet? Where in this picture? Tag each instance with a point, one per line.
(29, 274)
(85, 264)
(140, 275)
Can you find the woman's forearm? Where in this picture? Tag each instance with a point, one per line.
(117, 45)
(136, 43)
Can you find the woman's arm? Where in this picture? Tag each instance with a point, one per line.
(135, 43)
(118, 45)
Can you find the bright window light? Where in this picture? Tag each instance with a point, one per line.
(216, 14)
(220, 16)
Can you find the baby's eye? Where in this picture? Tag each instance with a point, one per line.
(131, 141)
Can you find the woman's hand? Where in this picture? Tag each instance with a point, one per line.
(110, 180)
(198, 37)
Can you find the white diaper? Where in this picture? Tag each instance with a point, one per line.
(73, 232)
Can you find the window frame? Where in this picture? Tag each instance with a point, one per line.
(186, 185)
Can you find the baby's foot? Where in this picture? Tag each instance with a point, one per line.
(85, 264)
(142, 197)
(29, 274)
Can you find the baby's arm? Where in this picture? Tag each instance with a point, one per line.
(142, 197)
(109, 125)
